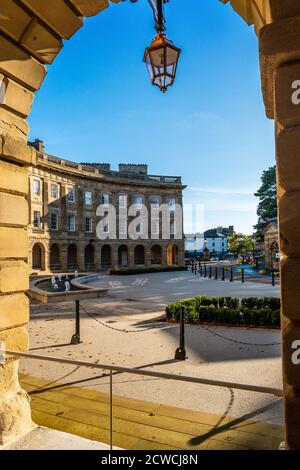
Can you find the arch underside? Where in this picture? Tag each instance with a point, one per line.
(32, 33)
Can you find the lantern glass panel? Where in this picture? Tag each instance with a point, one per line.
(158, 57)
(171, 56)
(149, 66)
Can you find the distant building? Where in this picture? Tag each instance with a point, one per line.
(213, 242)
(271, 245)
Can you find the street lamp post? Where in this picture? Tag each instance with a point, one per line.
(161, 57)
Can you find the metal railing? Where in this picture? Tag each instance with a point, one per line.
(213, 271)
(161, 375)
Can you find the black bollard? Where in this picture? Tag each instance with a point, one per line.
(209, 272)
(231, 274)
(223, 274)
(76, 337)
(192, 266)
(243, 275)
(216, 272)
(180, 353)
(201, 270)
(273, 278)
(195, 269)
(205, 273)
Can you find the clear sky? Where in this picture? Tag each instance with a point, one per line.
(97, 104)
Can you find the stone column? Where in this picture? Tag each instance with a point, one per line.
(287, 113)
(15, 416)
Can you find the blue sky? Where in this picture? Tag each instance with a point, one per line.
(97, 104)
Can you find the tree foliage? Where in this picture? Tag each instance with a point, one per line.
(267, 206)
(241, 244)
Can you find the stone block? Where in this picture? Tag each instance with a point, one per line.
(13, 243)
(14, 310)
(58, 16)
(279, 42)
(289, 213)
(13, 178)
(291, 350)
(15, 339)
(287, 93)
(18, 151)
(288, 163)
(20, 66)
(89, 7)
(14, 276)
(290, 292)
(13, 126)
(41, 43)
(13, 20)
(283, 9)
(292, 417)
(15, 97)
(13, 210)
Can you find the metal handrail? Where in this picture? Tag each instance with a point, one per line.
(162, 375)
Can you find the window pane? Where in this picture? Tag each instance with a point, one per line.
(54, 192)
(71, 195)
(36, 219)
(88, 199)
(71, 223)
(171, 203)
(155, 227)
(105, 198)
(53, 221)
(88, 224)
(122, 201)
(36, 187)
(122, 226)
(137, 201)
(155, 201)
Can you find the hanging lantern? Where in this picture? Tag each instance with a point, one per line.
(161, 58)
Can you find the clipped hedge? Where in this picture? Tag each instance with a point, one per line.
(131, 271)
(254, 311)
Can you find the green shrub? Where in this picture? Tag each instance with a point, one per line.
(251, 302)
(132, 271)
(253, 311)
(207, 313)
(232, 302)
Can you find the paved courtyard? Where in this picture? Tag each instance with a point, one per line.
(162, 288)
(124, 329)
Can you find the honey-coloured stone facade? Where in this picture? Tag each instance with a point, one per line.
(55, 246)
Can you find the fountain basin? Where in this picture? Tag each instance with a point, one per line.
(41, 290)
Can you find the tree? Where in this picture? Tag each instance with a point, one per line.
(241, 244)
(267, 206)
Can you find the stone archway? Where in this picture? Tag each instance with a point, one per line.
(172, 255)
(89, 257)
(139, 255)
(105, 256)
(31, 37)
(72, 257)
(156, 254)
(123, 256)
(55, 257)
(38, 257)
